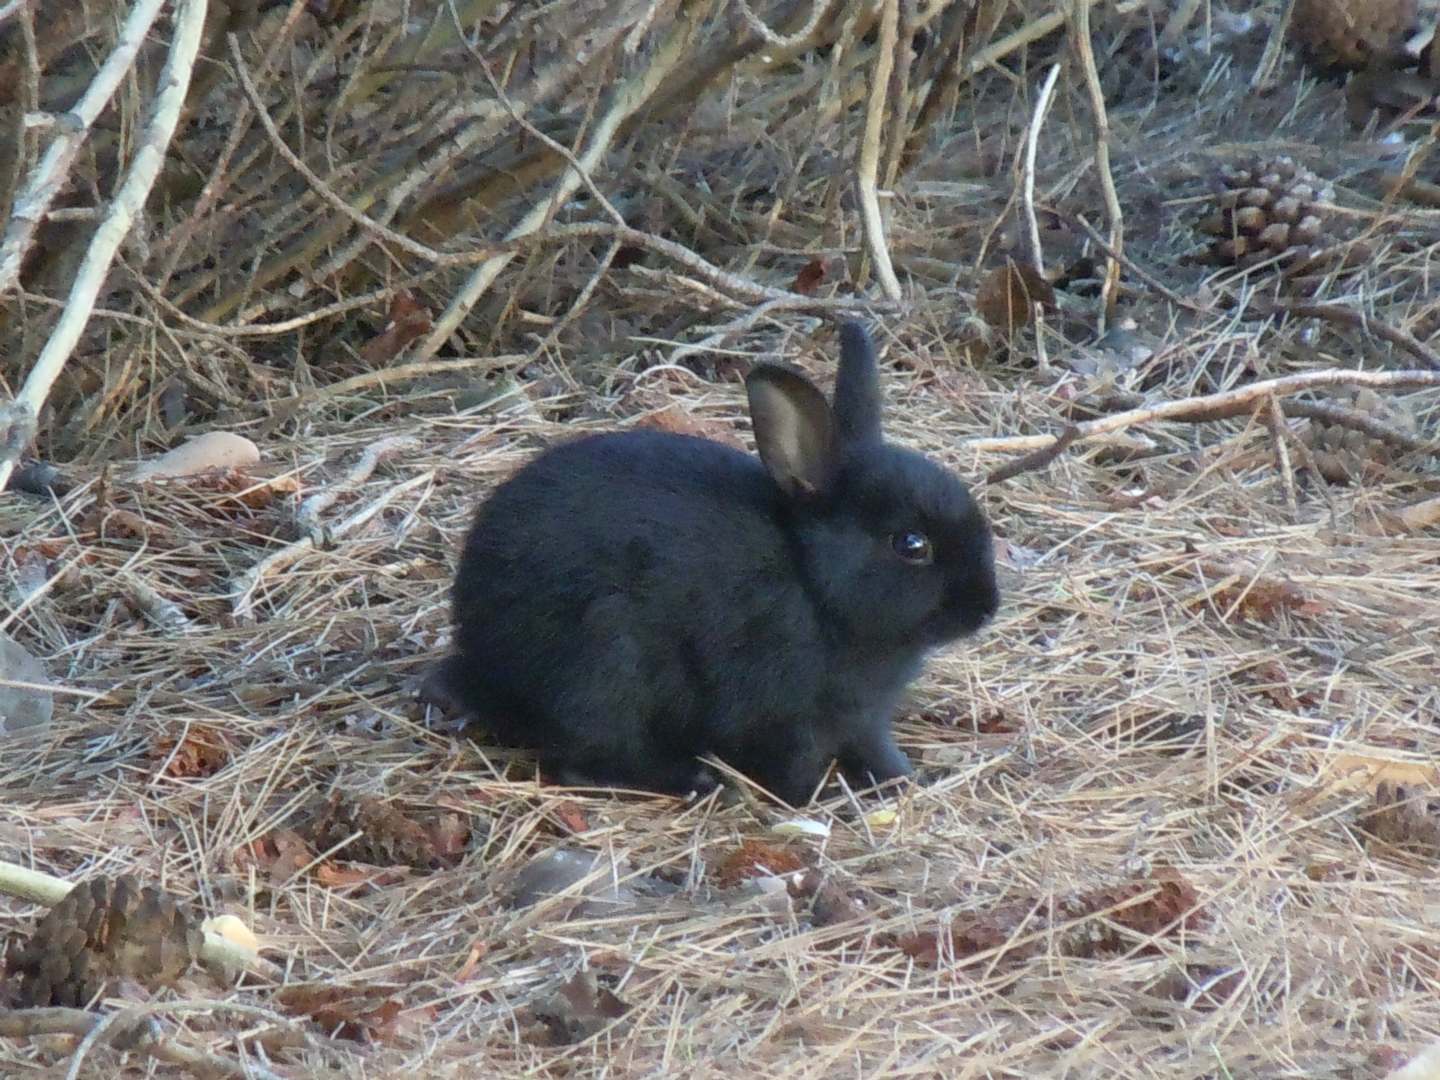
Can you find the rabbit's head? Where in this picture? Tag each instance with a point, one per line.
(894, 549)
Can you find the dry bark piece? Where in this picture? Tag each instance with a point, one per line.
(1353, 33)
(104, 929)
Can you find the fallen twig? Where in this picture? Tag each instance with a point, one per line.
(48, 177)
(1348, 316)
(867, 168)
(244, 596)
(129, 199)
(1080, 38)
(1221, 406)
(1036, 460)
(627, 99)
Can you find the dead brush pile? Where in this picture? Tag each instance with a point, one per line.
(1181, 809)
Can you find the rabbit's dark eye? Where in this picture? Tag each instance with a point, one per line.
(912, 546)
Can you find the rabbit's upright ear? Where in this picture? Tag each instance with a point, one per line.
(857, 387)
(794, 431)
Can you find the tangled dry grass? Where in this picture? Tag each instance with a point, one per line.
(1179, 814)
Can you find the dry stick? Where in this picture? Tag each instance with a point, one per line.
(49, 175)
(1280, 433)
(308, 516)
(1355, 420)
(1221, 406)
(1131, 265)
(244, 602)
(285, 326)
(1037, 254)
(25, 1023)
(18, 427)
(1037, 460)
(1080, 36)
(818, 11)
(126, 1020)
(1032, 143)
(1273, 47)
(321, 188)
(1349, 316)
(726, 281)
(482, 123)
(628, 99)
(559, 148)
(218, 181)
(398, 373)
(869, 164)
(1031, 31)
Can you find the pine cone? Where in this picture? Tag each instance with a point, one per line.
(1268, 209)
(388, 837)
(1353, 33)
(101, 930)
(1343, 454)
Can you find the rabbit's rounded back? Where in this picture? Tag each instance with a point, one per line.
(631, 601)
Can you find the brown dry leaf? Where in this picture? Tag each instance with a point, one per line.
(677, 421)
(406, 321)
(571, 817)
(995, 722)
(1006, 297)
(334, 876)
(279, 854)
(1240, 593)
(810, 278)
(755, 858)
(969, 934)
(580, 1008)
(1170, 904)
(449, 836)
(834, 905)
(1276, 684)
(198, 752)
(1167, 904)
(387, 834)
(344, 1012)
(254, 492)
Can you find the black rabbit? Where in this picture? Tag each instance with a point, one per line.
(630, 601)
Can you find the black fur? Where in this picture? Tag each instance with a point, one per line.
(629, 601)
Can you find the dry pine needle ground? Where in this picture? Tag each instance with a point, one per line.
(1179, 810)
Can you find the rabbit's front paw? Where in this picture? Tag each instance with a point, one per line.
(874, 760)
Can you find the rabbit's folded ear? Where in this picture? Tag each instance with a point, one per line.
(794, 431)
(857, 387)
